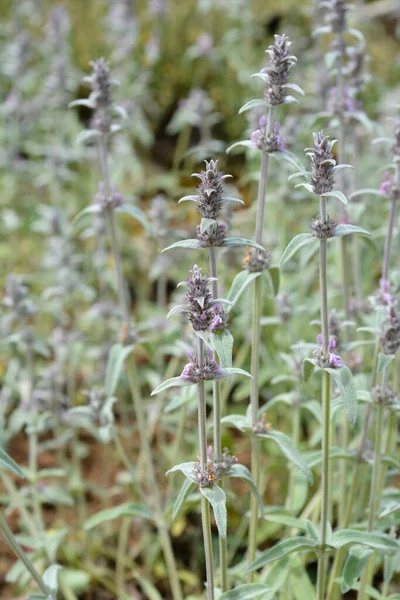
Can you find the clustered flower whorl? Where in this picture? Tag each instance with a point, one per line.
(336, 16)
(108, 199)
(100, 82)
(210, 190)
(200, 304)
(277, 72)
(257, 261)
(214, 236)
(209, 370)
(221, 319)
(324, 229)
(322, 163)
(390, 335)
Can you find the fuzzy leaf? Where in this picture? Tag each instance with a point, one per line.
(285, 445)
(243, 473)
(10, 464)
(256, 103)
(348, 229)
(308, 369)
(50, 577)
(365, 192)
(376, 541)
(93, 208)
(245, 143)
(82, 102)
(355, 563)
(136, 213)
(116, 359)
(227, 372)
(191, 197)
(181, 497)
(336, 194)
(390, 509)
(223, 345)
(294, 87)
(241, 422)
(238, 241)
(184, 244)
(294, 544)
(274, 276)
(180, 308)
(129, 509)
(302, 239)
(344, 380)
(239, 284)
(246, 591)
(206, 224)
(306, 186)
(217, 498)
(173, 382)
(231, 199)
(186, 468)
(384, 361)
(87, 134)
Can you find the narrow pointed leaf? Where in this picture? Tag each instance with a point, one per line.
(136, 213)
(93, 208)
(376, 541)
(246, 591)
(274, 275)
(384, 360)
(10, 464)
(344, 380)
(217, 498)
(336, 194)
(285, 445)
(302, 239)
(223, 346)
(234, 371)
(348, 229)
(243, 473)
(244, 143)
(87, 134)
(238, 241)
(355, 563)
(186, 488)
(129, 509)
(239, 284)
(241, 422)
(231, 199)
(186, 468)
(50, 577)
(190, 198)
(365, 192)
(184, 244)
(205, 224)
(173, 382)
(116, 359)
(283, 548)
(256, 103)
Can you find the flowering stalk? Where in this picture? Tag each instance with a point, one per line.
(391, 189)
(109, 199)
(266, 139)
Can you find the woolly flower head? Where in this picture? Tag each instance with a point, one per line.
(194, 372)
(200, 303)
(329, 360)
(278, 70)
(322, 163)
(268, 142)
(100, 82)
(390, 335)
(210, 190)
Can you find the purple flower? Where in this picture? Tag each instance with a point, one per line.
(108, 199)
(386, 185)
(384, 296)
(280, 140)
(332, 360)
(209, 370)
(268, 142)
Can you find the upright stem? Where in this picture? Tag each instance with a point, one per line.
(255, 348)
(217, 414)
(136, 394)
(326, 388)
(205, 506)
(16, 548)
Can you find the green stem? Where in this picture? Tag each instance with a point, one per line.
(16, 548)
(137, 399)
(205, 507)
(121, 553)
(18, 501)
(373, 501)
(222, 542)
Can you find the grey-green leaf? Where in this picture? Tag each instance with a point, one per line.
(256, 103)
(116, 359)
(348, 229)
(274, 275)
(246, 591)
(285, 445)
(243, 473)
(344, 381)
(136, 213)
(184, 244)
(50, 577)
(241, 422)
(129, 509)
(173, 382)
(294, 544)
(384, 361)
(239, 284)
(336, 194)
(217, 498)
(205, 224)
(223, 345)
(376, 541)
(10, 464)
(239, 241)
(181, 497)
(302, 239)
(355, 563)
(186, 468)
